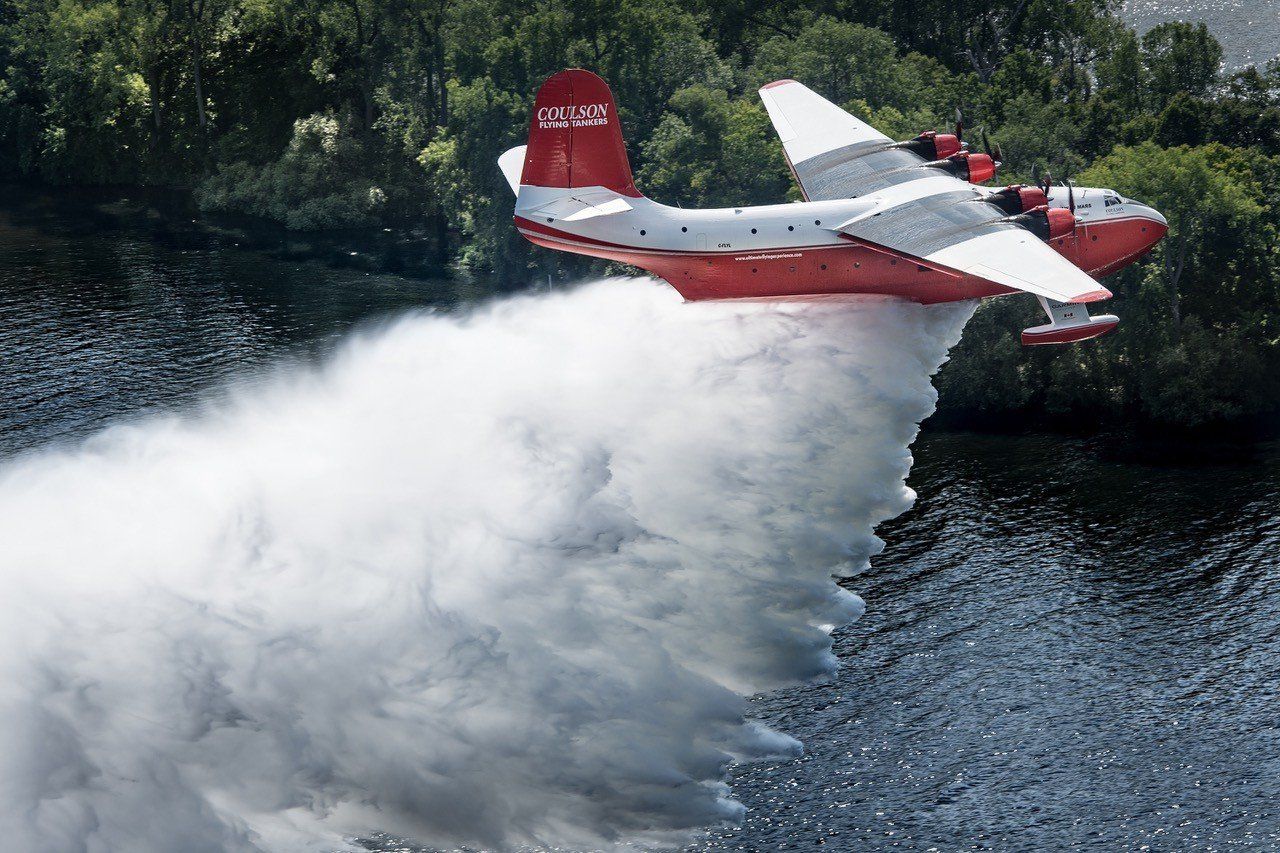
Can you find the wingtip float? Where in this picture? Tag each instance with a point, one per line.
(906, 219)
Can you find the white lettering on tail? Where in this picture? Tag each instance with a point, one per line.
(576, 115)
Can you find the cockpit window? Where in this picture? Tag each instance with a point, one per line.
(1111, 200)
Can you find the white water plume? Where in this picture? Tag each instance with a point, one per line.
(499, 578)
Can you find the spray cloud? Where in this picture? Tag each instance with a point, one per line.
(497, 579)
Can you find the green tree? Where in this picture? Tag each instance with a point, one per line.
(463, 180)
(1201, 191)
(95, 105)
(319, 181)
(709, 151)
(845, 62)
(1179, 58)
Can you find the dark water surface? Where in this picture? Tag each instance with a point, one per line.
(1058, 649)
(110, 306)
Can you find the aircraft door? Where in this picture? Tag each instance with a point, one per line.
(704, 245)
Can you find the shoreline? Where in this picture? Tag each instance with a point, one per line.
(169, 214)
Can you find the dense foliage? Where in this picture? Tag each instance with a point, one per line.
(352, 113)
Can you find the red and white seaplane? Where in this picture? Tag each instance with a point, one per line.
(907, 219)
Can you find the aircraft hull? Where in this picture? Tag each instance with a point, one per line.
(1105, 248)
(848, 267)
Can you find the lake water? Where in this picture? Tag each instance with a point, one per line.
(109, 307)
(1059, 649)
(1248, 29)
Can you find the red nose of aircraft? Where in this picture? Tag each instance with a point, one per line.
(1158, 227)
(1113, 245)
(1152, 229)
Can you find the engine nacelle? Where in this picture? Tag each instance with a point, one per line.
(1047, 223)
(932, 145)
(974, 168)
(981, 167)
(1062, 222)
(1018, 198)
(945, 144)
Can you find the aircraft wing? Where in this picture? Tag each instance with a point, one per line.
(955, 228)
(833, 154)
(923, 213)
(1019, 259)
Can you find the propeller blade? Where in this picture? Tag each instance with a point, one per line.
(992, 151)
(1071, 197)
(959, 125)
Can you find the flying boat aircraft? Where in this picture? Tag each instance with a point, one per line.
(908, 219)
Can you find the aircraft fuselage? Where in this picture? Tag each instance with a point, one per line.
(794, 250)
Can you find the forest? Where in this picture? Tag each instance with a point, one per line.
(326, 114)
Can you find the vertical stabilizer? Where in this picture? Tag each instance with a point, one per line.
(575, 138)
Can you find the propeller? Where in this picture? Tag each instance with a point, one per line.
(959, 125)
(1071, 193)
(1043, 183)
(993, 152)
(1046, 184)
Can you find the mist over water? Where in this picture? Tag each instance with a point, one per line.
(495, 578)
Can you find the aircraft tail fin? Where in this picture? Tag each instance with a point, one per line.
(575, 138)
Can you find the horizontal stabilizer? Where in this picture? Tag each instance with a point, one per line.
(571, 207)
(512, 163)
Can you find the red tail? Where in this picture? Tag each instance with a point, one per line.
(575, 139)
